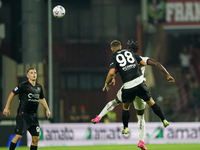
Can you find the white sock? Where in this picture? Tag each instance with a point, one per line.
(109, 106)
(141, 126)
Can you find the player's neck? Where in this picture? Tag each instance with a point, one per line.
(32, 82)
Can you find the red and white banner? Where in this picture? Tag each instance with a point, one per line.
(182, 14)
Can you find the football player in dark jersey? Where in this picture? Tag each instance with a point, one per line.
(30, 95)
(127, 64)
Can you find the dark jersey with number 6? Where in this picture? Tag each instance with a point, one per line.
(126, 64)
(29, 96)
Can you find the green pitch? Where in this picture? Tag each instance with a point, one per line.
(119, 147)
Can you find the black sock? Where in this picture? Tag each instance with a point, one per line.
(156, 109)
(33, 147)
(125, 118)
(12, 146)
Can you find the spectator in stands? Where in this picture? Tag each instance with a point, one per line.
(195, 87)
(74, 116)
(185, 58)
(84, 116)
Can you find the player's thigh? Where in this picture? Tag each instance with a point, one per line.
(21, 125)
(139, 104)
(128, 95)
(119, 95)
(34, 130)
(143, 92)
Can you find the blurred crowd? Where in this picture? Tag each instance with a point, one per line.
(189, 84)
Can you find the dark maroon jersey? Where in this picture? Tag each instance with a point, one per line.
(29, 96)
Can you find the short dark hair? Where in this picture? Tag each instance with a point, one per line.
(30, 68)
(133, 46)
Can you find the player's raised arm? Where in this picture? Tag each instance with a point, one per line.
(6, 110)
(157, 64)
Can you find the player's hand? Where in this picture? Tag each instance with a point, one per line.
(48, 113)
(6, 112)
(106, 87)
(113, 82)
(170, 79)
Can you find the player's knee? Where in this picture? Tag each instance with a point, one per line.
(140, 112)
(35, 139)
(18, 137)
(150, 102)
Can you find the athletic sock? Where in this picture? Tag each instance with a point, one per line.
(12, 146)
(156, 109)
(141, 126)
(125, 118)
(33, 147)
(109, 106)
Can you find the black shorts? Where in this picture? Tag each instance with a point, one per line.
(26, 122)
(141, 90)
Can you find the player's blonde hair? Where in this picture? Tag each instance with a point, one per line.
(115, 45)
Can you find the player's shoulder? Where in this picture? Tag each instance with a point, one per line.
(23, 83)
(39, 85)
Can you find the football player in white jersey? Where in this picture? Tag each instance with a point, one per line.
(139, 104)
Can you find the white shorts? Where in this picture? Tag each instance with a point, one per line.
(139, 104)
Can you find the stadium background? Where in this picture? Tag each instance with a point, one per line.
(81, 53)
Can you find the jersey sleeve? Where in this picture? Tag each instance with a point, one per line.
(113, 62)
(18, 89)
(138, 58)
(41, 93)
(145, 59)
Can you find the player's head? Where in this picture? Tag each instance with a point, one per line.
(133, 46)
(31, 74)
(115, 45)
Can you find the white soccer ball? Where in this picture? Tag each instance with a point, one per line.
(58, 11)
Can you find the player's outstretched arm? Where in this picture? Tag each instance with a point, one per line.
(44, 103)
(157, 64)
(6, 110)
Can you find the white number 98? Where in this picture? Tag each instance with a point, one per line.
(123, 60)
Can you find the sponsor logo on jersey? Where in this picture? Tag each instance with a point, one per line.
(33, 97)
(129, 67)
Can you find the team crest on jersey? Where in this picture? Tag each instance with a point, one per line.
(38, 88)
(16, 89)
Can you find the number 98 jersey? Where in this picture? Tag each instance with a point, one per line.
(126, 64)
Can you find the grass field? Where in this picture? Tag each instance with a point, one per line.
(119, 147)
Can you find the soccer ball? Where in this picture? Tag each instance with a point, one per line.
(58, 11)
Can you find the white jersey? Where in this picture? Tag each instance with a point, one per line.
(143, 68)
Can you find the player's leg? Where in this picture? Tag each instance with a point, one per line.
(109, 106)
(19, 130)
(34, 130)
(14, 141)
(125, 117)
(156, 109)
(140, 105)
(144, 93)
(34, 143)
